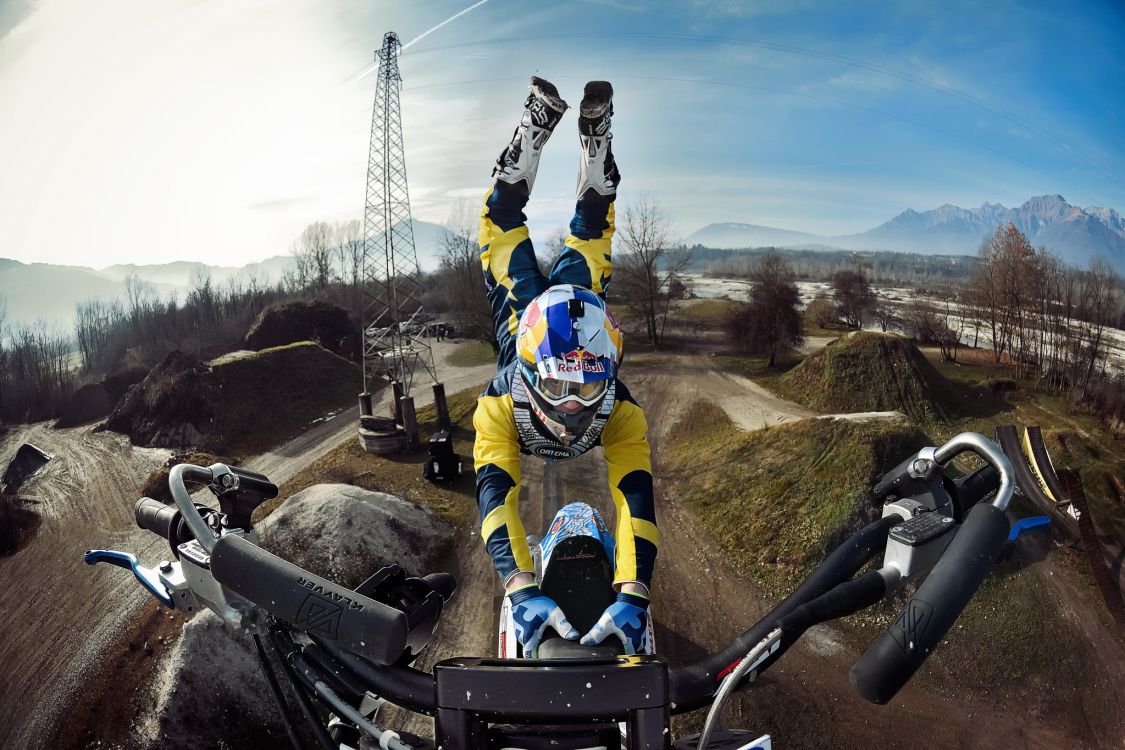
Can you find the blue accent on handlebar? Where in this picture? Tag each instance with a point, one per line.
(147, 576)
(1027, 524)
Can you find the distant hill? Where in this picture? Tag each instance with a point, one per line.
(179, 274)
(1076, 234)
(41, 291)
(729, 234)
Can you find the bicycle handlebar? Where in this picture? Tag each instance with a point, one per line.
(176, 478)
(318, 606)
(990, 452)
(373, 640)
(896, 654)
(155, 516)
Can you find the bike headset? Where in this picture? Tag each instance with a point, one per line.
(569, 347)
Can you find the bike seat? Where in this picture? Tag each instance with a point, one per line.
(555, 647)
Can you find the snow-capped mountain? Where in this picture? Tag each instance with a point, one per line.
(1077, 235)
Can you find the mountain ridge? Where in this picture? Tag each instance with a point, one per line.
(48, 292)
(1076, 234)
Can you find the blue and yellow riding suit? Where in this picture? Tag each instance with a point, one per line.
(503, 422)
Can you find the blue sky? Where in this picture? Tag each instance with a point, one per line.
(147, 132)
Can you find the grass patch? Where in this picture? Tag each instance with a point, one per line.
(400, 474)
(757, 368)
(810, 328)
(268, 397)
(777, 500)
(472, 354)
(706, 313)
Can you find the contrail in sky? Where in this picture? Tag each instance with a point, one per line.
(454, 17)
(370, 68)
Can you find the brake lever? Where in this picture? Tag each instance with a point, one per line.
(148, 577)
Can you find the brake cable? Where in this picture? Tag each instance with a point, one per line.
(753, 658)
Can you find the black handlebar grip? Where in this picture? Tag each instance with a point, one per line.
(155, 516)
(898, 652)
(319, 607)
(254, 482)
(893, 479)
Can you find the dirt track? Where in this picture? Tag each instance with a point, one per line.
(701, 604)
(61, 616)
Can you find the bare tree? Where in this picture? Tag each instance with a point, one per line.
(95, 320)
(853, 295)
(644, 272)
(885, 315)
(1100, 303)
(461, 277)
(998, 288)
(822, 311)
(313, 256)
(350, 241)
(931, 324)
(771, 321)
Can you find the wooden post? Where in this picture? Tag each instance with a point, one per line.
(441, 406)
(397, 401)
(409, 420)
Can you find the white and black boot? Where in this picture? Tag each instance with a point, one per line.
(542, 111)
(596, 169)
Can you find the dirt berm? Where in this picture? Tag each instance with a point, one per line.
(305, 320)
(869, 372)
(210, 692)
(235, 405)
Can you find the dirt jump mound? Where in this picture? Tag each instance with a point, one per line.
(869, 372)
(304, 320)
(236, 405)
(171, 406)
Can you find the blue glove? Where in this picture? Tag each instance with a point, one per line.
(626, 618)
(533, 613)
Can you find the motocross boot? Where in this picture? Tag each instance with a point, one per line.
(519, 160)
(597, 169)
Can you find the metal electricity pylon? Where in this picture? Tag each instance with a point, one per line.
(394, 340)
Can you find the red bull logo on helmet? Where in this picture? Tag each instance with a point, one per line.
(580, 361)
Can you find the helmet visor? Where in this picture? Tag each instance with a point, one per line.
(556, 391)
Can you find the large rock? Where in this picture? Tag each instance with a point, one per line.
(305, 320)
(346, 533)
(211, 691)
(27, 460)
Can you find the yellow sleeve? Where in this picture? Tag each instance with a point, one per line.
(625, 441)
(496, 456)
